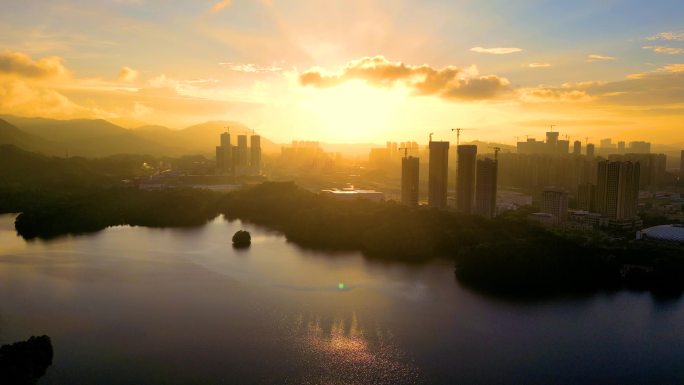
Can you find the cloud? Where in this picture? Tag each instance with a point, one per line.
(669, 36)
(496, 51)
(21, 98)
(250, 68)
(127, 74)
(664, 49)
(663, 87)
(217, 7)
(679, 67)
(20, 64)
(449, 82)
(553, 94)
(539, 65)
(595, 57)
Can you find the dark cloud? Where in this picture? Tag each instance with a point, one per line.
(449, 82)
(20, 64)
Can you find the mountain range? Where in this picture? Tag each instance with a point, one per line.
(99, 138)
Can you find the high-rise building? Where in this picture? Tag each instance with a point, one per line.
(225, 139)
(219, 160)
(410, 167)
(577, 148)
(485, 188)
(586, 196)
(438, 170)
(590, 149)
(224, 159)
(465, 177)
(555, 202)
(617, 190)
(243, 160)
(652, 170)
(640, 147)
(255, 154)
(681, 167)
(607, 145)
(621, 147)
(552, 142)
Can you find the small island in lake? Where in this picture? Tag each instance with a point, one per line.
(242, 238)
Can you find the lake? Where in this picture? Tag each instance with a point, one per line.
(135, 305)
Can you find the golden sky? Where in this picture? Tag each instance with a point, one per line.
(353, 70)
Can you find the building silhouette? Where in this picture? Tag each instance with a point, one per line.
(652, 167)
(639, 147)
(555, 202)
(590, 149)
(681, 167)
(234, 160)
(465, 177)
(617, 189)
(438, 174)
(485, 188)
(410, 167)
(577, 148)
(255, 154)
(242, 159)
(224, 155)
(552, 142)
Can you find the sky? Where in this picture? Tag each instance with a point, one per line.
(353, 71)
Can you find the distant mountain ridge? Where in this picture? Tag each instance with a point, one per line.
(10, 134)
(100, 138)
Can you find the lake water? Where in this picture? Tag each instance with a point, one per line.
(133, 305)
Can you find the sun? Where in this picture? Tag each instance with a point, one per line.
(355, 112)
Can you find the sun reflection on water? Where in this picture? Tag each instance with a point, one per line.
(343, 350)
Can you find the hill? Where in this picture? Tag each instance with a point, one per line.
(86, 137)
(9, 134)
(206, 135)
(100, 138)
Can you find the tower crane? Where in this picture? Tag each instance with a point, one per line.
(496, 153)
(552, 126)
(586, 140)
(458, 134)
(432, 133)
(405, 151)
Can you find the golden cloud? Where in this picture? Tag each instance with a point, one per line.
(596, 57)
(127, 74)
(552, 94)
(539, 65)
(496, 51)
(20, 98)
(217, 7)
(664, 87)
(679, 67)
(21, 65)
(449, 82)
(664, 49)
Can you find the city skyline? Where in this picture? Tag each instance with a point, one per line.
(353, 71)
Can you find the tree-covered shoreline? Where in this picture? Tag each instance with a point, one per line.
(507, 255)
